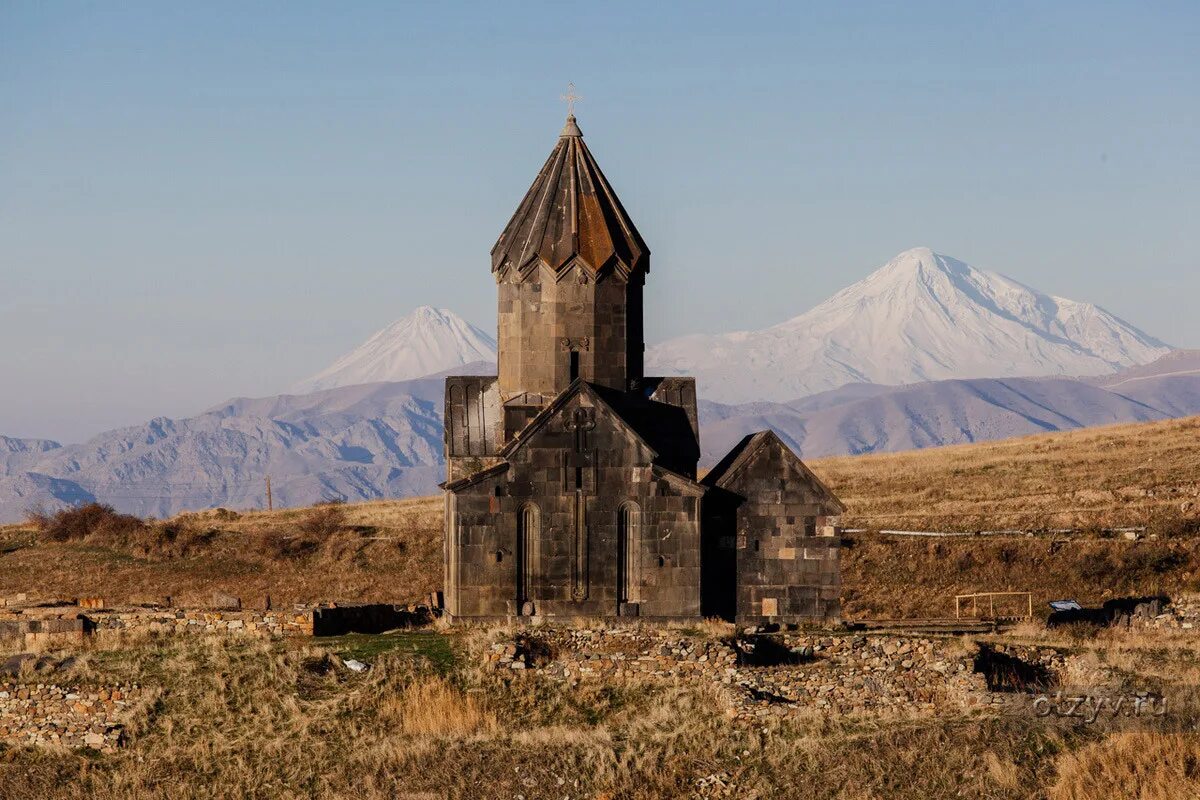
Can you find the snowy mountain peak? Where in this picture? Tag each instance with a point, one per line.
(916, 261)
(426, 341)
(921, 316)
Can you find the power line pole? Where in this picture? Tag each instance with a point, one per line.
(270, 507)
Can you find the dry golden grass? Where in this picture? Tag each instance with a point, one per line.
(383, 551)
(243, 719)
(1109, 476)
(1131, 766)
(433, 707)
(890, 576)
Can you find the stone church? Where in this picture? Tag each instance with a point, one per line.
(572, 486)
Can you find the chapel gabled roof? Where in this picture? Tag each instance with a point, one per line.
(725, 473)
(570, 212)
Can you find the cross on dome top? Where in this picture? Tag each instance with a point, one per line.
(571, 98)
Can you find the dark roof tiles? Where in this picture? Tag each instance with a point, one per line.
(570, 212)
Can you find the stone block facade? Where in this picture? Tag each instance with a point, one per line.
(204, 621)
(49, 631)
(578, 520)
(555, 327)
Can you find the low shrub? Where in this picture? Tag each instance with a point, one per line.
(86, 521)
(1092, 564)
(282, 546)
(173, 540)
(324, 520)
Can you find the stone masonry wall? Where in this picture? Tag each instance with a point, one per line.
(30, 633)
(842, 674)
(45, 714)
(64, 625)
(262, 623)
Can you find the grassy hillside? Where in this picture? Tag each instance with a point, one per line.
(1140, 474)
(890, 577)
(391, 550)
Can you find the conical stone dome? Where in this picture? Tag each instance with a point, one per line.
(570, 212)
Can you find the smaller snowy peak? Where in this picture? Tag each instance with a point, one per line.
(427, 341)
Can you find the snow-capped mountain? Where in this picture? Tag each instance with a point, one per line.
(427, 341)
(921, 317)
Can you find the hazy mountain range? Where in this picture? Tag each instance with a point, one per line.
(867, 418)
(385, 439)
(371, 432)
(356, 442)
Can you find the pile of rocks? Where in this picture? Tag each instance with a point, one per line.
(822, 673)
(614, 652)
(1182, 613)
(46, 714)
(849, 674)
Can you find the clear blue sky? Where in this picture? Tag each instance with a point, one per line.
(200, 200)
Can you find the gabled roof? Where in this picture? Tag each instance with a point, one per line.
(727, 470)
(683, 481)
(570, 212)
(578, 386)
(474, 477)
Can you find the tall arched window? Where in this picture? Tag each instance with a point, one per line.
(629, 553)
(528, 537)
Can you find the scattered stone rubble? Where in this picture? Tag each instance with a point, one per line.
(1182, 613)
(47, 714)
(829, 672)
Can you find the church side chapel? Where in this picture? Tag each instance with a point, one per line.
(571, 477)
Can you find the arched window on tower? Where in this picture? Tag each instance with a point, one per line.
(528, 550)
(629, 553)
